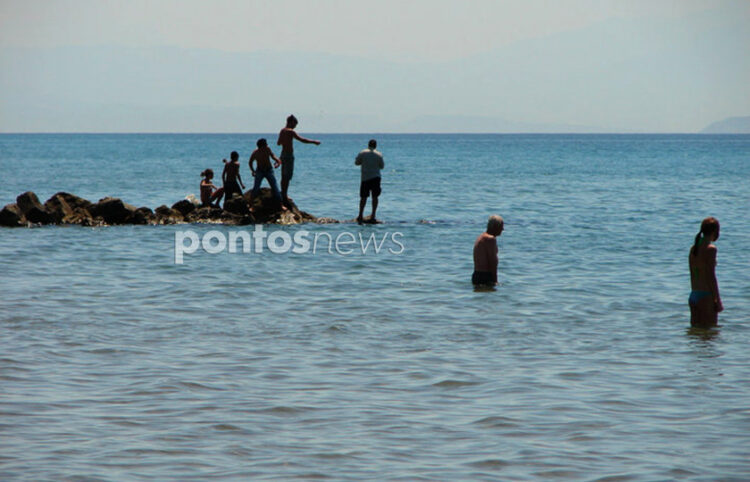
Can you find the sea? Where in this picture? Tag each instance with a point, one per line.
(186, 352)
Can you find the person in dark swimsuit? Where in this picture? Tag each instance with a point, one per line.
(704, 301)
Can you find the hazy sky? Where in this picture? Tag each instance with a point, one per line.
(412, 34)
(396, 30)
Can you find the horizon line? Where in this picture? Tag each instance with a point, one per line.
(365, 133)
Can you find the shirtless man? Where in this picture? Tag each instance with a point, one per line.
(231, 176)
(485, 254)
(705, 301)
(286, 140)
(262, 156)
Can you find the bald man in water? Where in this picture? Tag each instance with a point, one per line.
(485, 253)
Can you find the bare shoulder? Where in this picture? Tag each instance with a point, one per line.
(485, 238)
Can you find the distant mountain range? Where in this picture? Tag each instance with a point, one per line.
(730, 125)
(622, 75)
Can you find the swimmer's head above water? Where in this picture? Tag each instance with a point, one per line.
(709, 231)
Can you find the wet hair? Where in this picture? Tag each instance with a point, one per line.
(372, 144)
(234, 155)
(208, 173)
(709, 226)
(494, 223)
(261, 142)
(291, 121)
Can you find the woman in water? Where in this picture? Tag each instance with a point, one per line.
(209, 192)
(705, 302)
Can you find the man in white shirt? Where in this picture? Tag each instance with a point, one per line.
(371, 162)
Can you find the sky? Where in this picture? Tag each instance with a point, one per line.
(438, 65)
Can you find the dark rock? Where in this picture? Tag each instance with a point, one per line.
(72, 200)
(162, 210)
(58, 208)
(237, 205)
(66, 208)
(12, 216)
(205, 215)
(112, 210)
(32, 209)
(143, 215)
(185, 207)
(79, 216)
(289, 217)
(327, 221)
(266, 210)
(232, 219)
(166, 215)
(27, 200)
(265, 207)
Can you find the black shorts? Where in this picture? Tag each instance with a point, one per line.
(370, 186)
(231, 187)
(482, 278)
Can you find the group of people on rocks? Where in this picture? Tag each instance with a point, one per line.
(370, 160)
(704, 301)
(261, 157)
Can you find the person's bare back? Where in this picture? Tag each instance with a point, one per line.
(287, 135)
(231, 170)
(286, 140)
(705, 300)
(485, 253)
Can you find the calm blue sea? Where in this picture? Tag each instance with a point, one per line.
(118, 364)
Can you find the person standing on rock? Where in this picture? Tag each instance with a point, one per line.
(485, 253)
(262, 156)
(231, 177)
(287, 135)
(371, 162)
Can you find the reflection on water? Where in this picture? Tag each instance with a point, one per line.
(703, 334)
(484, 288)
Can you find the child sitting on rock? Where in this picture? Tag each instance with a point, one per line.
(209, 192)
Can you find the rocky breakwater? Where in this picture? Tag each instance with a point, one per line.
(65, 208)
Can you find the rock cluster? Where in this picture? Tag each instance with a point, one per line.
(66, 208)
